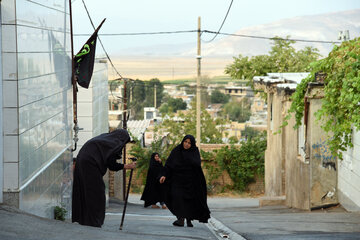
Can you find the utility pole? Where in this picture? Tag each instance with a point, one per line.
(155, 96)
(198, 96)
(124, 127)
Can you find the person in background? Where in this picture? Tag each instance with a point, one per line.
(94, 158)
(154, 192)
(186, 196)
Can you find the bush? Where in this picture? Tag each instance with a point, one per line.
(59, 213)
(242, 163)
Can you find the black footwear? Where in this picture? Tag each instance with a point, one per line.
(188, 223)
(179, 222)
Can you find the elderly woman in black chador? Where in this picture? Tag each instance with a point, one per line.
(154, 191)
(186, 197)
(94, 158)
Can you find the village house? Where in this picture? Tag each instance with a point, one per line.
(300, 171)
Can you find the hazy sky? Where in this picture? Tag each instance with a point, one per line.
(133, 16)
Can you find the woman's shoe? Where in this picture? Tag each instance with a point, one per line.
(179, 222)
(188, 223)
(164, 206)
(155, 206)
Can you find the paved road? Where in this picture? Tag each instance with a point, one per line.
(235, 219)
(244, 217)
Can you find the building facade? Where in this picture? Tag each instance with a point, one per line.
(36, 105)
(300, 170)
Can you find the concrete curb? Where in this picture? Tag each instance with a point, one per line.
(221, 231)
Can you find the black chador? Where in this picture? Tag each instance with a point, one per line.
(153, 191)
(186, 196)
(94, 158)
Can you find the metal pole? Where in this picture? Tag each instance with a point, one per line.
(198, 96)
(155, 96)
(124, 127)
(73, 81)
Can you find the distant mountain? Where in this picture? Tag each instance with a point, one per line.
(177, 61)
(323, 27)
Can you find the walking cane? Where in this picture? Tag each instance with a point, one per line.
(127, 196)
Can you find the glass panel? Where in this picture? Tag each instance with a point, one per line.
(51, 188)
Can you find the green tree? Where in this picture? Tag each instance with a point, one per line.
(250, 132)
(239, 112)
(152, 86)
(186, 124)
(219, 97)
(140, 94)
(138, 91)
(136, 103)
(172, 105)
(282, 57)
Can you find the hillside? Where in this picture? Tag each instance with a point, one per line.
(174, 62)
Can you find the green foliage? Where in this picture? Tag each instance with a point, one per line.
(172, 105)
(142, 95)
(187, 125)
(219, 97)
(233, 140)
(237, 111)
(242, 163)
(340, 107)
(152, 86)
(282, 58)
(59, 213)
(143, 155)
(250, 132)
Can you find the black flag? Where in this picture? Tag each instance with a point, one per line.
(84, 60)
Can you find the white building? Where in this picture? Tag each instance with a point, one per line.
(36, 105)
(349, 176)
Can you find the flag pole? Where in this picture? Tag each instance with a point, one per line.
(73, 81)
(97, 29)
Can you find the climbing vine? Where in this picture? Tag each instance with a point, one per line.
(341, 103)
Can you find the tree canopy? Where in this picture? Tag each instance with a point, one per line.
(219, 97)
(282, 57)
(237, 111)
(172, 105)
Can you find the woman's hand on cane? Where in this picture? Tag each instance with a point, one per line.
(130, 165)
(162, 179)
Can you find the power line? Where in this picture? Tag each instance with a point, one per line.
(139, 33)
(107, 55)
(270, 38)
(211, 32)
(221, 24)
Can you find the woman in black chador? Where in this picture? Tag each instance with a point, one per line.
(94, 158)
(154, 191)
(186, 197)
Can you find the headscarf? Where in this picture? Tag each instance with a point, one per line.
(153, 162)
(180, 156)
(105, 147)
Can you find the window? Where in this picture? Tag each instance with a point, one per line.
(149, 115)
